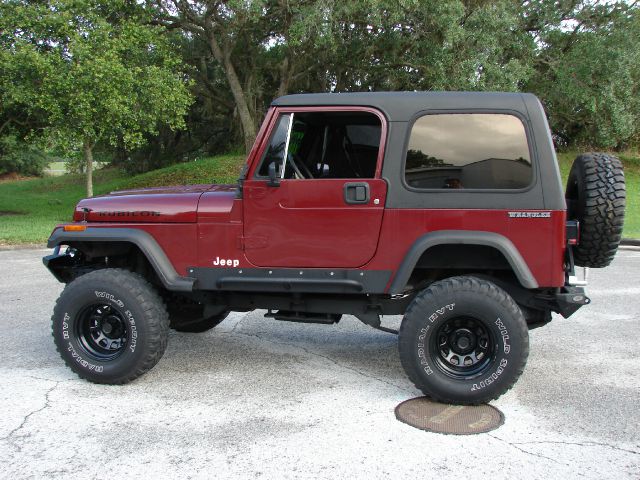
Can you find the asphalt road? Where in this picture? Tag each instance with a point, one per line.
(258, 398)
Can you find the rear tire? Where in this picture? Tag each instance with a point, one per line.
(596, 197)
(198, 324)
(110, 326)
(193, 317)
(463, 340)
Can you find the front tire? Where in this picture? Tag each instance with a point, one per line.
(110, 326)
(463, 340)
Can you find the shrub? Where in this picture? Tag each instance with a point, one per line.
(17, 156)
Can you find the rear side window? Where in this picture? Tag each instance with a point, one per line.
(468, 151)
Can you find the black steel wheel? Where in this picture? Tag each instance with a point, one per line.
(102, 331)
(110, 326)
(463, 347)
(463, 340)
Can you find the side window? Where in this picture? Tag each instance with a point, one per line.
(324, 145)
(468, 150)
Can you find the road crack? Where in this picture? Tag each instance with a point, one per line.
(518, 446)
(581, 444)
(515, 445)
(11, 436)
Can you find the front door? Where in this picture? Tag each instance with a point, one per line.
(315, 197)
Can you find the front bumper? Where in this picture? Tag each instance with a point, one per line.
(60, 265)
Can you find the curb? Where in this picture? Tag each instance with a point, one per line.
(633, 242)
(24, 246)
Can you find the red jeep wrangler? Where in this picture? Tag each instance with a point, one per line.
(446, 208)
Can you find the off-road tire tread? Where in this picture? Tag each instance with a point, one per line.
(155, 315)
(604, 200)
(417, 309)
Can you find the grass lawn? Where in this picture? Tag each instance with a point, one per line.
(29, 209)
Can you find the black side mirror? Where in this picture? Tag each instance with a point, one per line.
(274, 181)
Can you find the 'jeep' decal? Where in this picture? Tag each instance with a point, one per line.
(229, 262)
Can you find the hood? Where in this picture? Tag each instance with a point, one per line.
(178, 204)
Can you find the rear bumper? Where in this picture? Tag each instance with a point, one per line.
(569, 299)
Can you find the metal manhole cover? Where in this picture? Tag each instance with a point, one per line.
(436, 417)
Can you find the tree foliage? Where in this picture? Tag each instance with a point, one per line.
(588, 73)
(21, 157)
(95, 71)
(579, 57)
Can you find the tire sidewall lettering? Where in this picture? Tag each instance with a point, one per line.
(133, 331)
(109, 297)
(504, 336)
(81, 361)
(422, 347)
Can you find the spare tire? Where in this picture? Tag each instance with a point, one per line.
(596, 198)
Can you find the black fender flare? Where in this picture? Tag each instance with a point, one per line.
(143, 240)
(462, 237)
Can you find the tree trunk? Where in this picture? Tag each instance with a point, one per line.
(88, 159)
(246, 119)
(285, 77)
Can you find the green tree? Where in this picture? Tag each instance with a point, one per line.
(97, 71)
(424, 45)
(587, 71)
(228, 29)
(267, 48)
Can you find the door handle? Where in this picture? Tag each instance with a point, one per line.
(356, 192)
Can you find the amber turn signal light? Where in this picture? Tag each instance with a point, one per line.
(75, 228)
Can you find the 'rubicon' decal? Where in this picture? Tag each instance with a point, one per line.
(529, 214)
(123, 213)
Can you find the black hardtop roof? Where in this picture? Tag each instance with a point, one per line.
(402, 106)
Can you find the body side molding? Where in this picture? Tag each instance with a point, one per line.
(462, 237)
(143, 240)
(287, 280)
